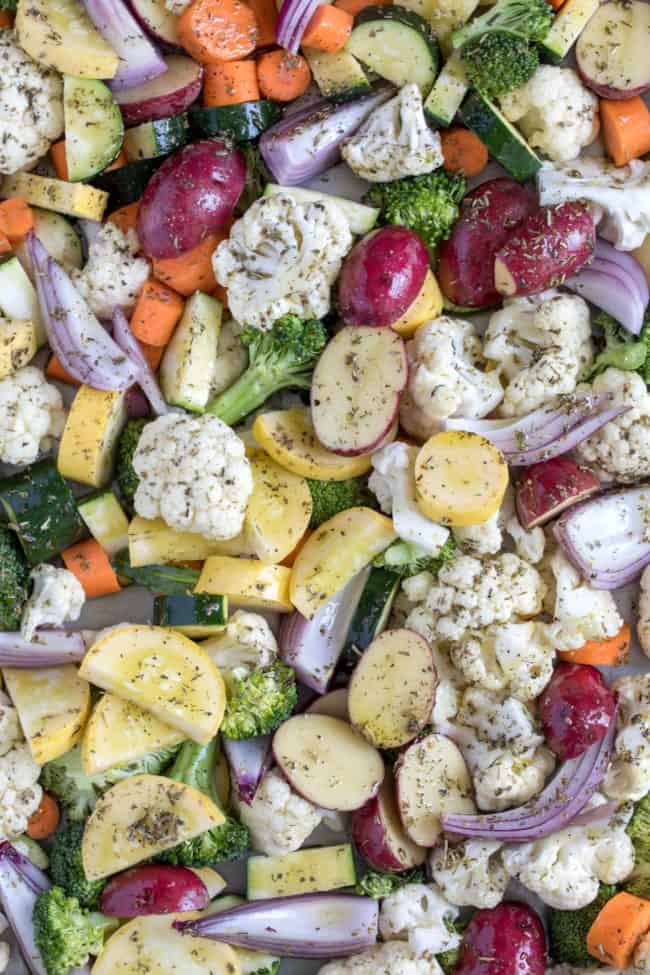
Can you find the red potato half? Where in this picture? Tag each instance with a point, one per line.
(159, 22)
(432, 779)
(545, 249)
(168, 94)
(328, 762)
(393, 689)
(334, 704)
(379, 836)
(505, 940)
(356, 389)
(488, 216)
(191, 196)
(612, 53)
(154, 889)
(547, 488)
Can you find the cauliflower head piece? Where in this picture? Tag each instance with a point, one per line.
(245, 644)
(20, 793)
(471, 873)
(629, 772)
(446, 377)
(418, 913)
(193, 474)
(487, 539)
(282, 258)
(31, 415)
(449, 681)
(113, 276)
(390, 958)
(540, 345)
(57, 597)
(580, 613)
(620, 450)
(278, 818)
(395, 141)
(516, 658)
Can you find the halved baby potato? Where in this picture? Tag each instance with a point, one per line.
(119, 732)
(52, 705)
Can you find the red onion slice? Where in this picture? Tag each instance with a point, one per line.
(292, 22)
(628, 263)
(249, 760)
(140, 60)
(49, 648)
(146, 380)
(610, 288)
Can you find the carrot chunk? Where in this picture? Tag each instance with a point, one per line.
(90, 564)
(617, 930)
(230, 83)
(463, 152)
(218, 30)
(626, 128)
(602, 653)
(283, 76)
(328, 28)
(156, 313)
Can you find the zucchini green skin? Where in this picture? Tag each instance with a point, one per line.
(127, 184)
(157, 138)
(40, 507)
(394, 14)
(243, 122)
(371, 615)
(503, 142)
(190, 609)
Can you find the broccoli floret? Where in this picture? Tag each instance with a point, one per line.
(529, 19)
(195, 766)
(448, 960)
(499, 62)
(271, 969)
(282, 358)
(406, 559)
(378, 885)
(168, 580)
(638, 829)
(568, 930)
(330, 497)
(259, 702)
(10, 5)
(65, 934)
(14, 580)
(127, 478)
(67, 869)
(428, 205)
(621, 350)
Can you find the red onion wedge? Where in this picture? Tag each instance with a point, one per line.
(84, 347)
(49, 648)
(626, 262)
(140, 60)
(313, 647)
(547, 432)
(249, 761)
(292, 22)
(136, 404)
(306, 926)
(146, 380)
(611, 288)
(606, 537)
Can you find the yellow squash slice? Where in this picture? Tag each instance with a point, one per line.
(247, 582)
(89, 441)
(52, 705)
(71, 199)
(119, 732)
(152, 541)
(18, 345)
(278, 510)
(60, 34)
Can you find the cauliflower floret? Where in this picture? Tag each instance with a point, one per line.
(417, 913)
(194, 474)
(393, 483)
(57, 597)
(232, 358)
(246, 643)
(487, 538)
(282, 257)
(394, 141)
(31, 414)
(471, 873)
(643, 623)
(541, 344)
(392, 958)
(483, 539)
(580, 613)
(10, 732)
(516, 658)
(621, 449)
(113, 276)
(448, 680)
(31, 107)
(20, 793)
(279, 819)
(566, 868)
(554, 111)
(629, 772)
(446, 377)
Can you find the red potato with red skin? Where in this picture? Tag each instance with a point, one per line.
(154, 889)
(488, 217)
(382, 276)
(575, 708)
(611, 50)
(379, 836)
(191, 196)
(548, 247)
(169, 94)
(548, 488)
(505, 940)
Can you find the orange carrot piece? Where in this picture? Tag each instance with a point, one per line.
(153, 354)
(126, 217)
(355, 7)
(230, 83)
(156, 313)
(328, 28)
(617, 930)
(218, 30)
(463, 152)
(16, 219)
(60, 163)
(221, 293)
(556, 4)
(191, 271)
(266, 15)
(602, 653)
(56, 370)
(90, 564)
(626, 128)
(283, 76)
(5, 244)
(45, 820)
(6, 18)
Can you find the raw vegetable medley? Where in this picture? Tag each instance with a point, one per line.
(382, 536)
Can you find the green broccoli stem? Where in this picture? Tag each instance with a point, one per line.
(252, 390)
(530, 19)
(195, 766)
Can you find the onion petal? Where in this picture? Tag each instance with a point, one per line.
(249, 760)
(49, 648)
(146, 379)
(20, 884)
(611, 288)
(292, 22)
(628, 262)
(140, 61)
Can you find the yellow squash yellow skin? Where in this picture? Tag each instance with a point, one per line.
(71, 199)
(60, 34)
(152, 541)
(53, 704)
(288, 438)
(18, 345)
(89, 441)
(119, 732)
(247, 582)
(278, 510)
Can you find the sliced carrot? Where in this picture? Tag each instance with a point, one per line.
(126, 217)
(230, 83)
(266, 15)
(626, 128)
(218, 30)
(328, 28)
(283, 76)
(5, 244)
(6, 18)
(602, 653)
(191, 271)
(556, 4)
(45, 820)
(355, 7)
(153, 354)
(56, 370)
(16, 219)
(156, 313)
(90, 564)
(617, 930)
(119, 161)
(60, 163)
(221, 293)
(463, 152)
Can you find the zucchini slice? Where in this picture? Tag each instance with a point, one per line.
(127, 184)
(189, 363)
(371, 615)
(105, 520)
(397, 44)
(565, 30)
(338, 74)
(446, 96)
(503, 141)
(94, 129)
(309, 871)
(194, 615)
(157, 138)
(243, 122)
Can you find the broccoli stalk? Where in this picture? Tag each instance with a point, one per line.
(66, 866)
(14, 580)
(428, 205)
(638, 830)
(622, 350)
(170, 580)
(330, 497)
(498, 62)
(127, 479)
(568, 930)
(282, 358)
(195, 766)
(530, 19)
(258, 702)
(65, 934)
(257, 176)
(407, 559)
(378, 885)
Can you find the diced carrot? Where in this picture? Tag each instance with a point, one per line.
(221, 293)
(283, 76)
(602, 653)
(153, 354)
(6, 18)
(5, 244)
(289, 559)
(119, 161)
(191, 271)
(463, 152)
(328, 28)
(266, 15)
(55, 370)
(90, 564)
(45, 820)
(126, 217)
(556, 4)
(355, 7)
(626, 128)
(617, 930)
(156, 313)
(218, 30)
(16, 219)
(60, 163)
(230, 83)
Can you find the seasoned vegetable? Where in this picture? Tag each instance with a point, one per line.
(499, 62)
(259, 702)
(65, 934)
(127, 478)
(568, 930)
(428, 205)
(330, 497)
(67, 869)
(14, 576)
(406, 559)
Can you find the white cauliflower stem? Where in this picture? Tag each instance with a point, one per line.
(395, 141)
(514, 657)
(392, 958)
(279, 819)
(31, 414)
(580, 613)
(628, 775)
(194, 474)
(621, 449)
(417, 913)
(57, 597)
(113, 276)
(282, 257)
(246, 643)
(470, 874)
(487, 539)
(20, 793)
